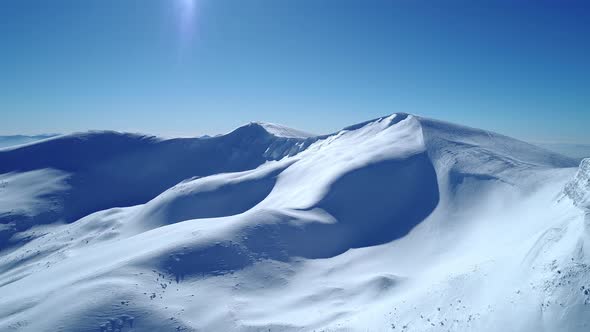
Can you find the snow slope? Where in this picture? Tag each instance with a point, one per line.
(400, 223)
(578, 190)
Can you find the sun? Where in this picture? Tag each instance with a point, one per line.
(186, 11)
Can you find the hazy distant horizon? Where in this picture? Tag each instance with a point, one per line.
(569, 149)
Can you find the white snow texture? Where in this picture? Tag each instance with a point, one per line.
(401, 223)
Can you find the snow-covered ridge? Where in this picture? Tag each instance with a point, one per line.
(123, 169)
(390, 224)
(579, 188)
(282, 131)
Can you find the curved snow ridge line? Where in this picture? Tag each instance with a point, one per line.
(214, 196)
(304, 181)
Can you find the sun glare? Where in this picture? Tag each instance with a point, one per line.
(187, 15)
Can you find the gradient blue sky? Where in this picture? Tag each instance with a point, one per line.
(189, 67)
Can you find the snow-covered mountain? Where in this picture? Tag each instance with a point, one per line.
(397, 224)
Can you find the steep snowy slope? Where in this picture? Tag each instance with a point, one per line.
(578, 190)
(399, 223)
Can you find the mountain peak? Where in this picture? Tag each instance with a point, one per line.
(277, 130)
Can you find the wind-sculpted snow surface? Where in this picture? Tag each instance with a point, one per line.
(109, 169)
(399, 223)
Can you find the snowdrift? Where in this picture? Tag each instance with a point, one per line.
(398, 223)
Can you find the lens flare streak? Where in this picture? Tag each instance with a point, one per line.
(187, 14)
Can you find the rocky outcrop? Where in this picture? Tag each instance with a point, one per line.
(579, 188)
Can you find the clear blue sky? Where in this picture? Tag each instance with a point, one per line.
(189, 67)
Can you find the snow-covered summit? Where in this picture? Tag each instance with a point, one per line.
(276, 130)
(283, 131)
